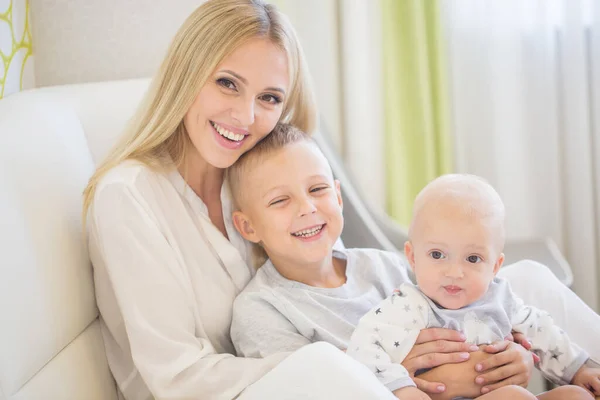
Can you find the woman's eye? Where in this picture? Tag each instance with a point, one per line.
(474, 259)
(226, 83)
(271, 99)
(436, 255)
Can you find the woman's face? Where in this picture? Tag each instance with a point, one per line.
(240, 103)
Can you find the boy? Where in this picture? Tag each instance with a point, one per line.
(290, 204)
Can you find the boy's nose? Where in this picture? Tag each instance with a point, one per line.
(307, 207)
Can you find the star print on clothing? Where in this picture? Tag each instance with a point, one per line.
(378, 311)
(407, 308)
(556, 353)
(396, 344)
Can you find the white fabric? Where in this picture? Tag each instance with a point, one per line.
(49, 338)
(526, 110)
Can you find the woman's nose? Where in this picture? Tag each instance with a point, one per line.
(243, 111)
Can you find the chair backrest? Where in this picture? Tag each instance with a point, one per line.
(50, 340)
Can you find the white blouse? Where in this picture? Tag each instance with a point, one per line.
(165, 280)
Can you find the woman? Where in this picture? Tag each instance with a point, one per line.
(167, 261)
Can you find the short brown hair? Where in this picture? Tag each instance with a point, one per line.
(282, 135)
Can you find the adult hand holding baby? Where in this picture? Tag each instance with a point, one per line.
(511, 364)
(434, 347)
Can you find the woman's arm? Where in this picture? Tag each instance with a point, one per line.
(172, 354)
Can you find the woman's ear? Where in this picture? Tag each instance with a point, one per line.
(499, 263)
(338, 190)
(244, 226)
(409, 252)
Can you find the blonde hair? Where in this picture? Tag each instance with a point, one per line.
(208, 35)
(282, 135)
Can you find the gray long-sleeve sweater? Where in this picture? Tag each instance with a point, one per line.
(274, 314)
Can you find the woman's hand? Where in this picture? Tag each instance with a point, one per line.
(436, 346)
(511, 364)
(410, 393)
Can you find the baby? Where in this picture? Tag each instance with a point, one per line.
(306, 291)
(455, 246)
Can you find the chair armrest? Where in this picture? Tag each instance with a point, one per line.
(543, 250)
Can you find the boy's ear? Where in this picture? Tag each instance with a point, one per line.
(244, 227)
(338, 190)
(499, 263)
(409, 252)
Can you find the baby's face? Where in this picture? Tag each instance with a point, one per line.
(292, 205)
(454, 256)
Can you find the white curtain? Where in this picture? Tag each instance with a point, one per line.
(525, 88)
(362, 89)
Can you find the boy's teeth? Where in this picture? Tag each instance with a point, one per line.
(309, 232)
(225, 133)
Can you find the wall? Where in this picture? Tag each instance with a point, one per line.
(84, 41)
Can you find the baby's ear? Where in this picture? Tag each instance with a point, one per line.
(499, 263)
(409, 252)
(244, 226)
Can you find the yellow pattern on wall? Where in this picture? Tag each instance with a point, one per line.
(15, 47)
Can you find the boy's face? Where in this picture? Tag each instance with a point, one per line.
(454, 256)
(292, 205)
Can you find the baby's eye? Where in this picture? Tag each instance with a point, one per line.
(474, 259)
(437, 255)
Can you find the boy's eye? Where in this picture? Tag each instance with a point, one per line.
(437, 255)
(474, 259)
(318, 189)
(276, 201)
(226, 83)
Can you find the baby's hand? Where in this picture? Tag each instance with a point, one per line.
(411, 393)
(588, 378)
